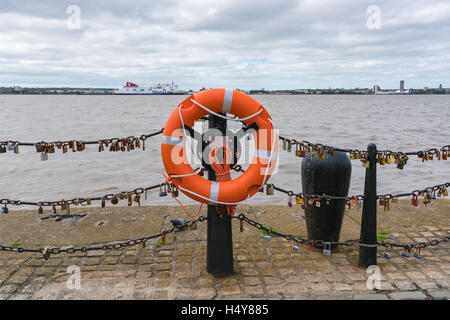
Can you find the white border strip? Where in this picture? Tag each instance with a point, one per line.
(171, 140)
(227, 100)
(214, 192)
(266, 154)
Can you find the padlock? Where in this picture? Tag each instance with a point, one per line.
(2, 149)
(44, 156)
(415, 201)
(298, 151)
(426, 199)
(387, 254)
(406, 253)
(130, 199)
(289, 146)
(417, 254)
(193, 226)
(295, 248)
(386, 205)
(298, 200)
(5, 209)
(267, 238)
(137, 199)
(114, 200)
(174, 190)
(269, 190)
(162, 190)
(46, 253)
(290, 201)
(327, 249)
(241, 225)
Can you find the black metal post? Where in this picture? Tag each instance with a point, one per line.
(368, 255)
(219, 252)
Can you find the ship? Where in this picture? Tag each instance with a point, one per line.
(131, 88)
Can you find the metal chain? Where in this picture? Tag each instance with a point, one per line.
(301, 239)
(429, 193)
(114, 144)
(114, 198)
(47, 251)
(302, 148)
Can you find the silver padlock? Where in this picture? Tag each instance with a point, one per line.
(44, 156)
(267, 238)
(327, 249)
(296, 248)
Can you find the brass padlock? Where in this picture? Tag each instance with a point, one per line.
(137, 199)
(269, 190)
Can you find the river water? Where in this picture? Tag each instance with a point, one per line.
(397, 123)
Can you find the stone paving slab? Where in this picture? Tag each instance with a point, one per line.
(263, 270)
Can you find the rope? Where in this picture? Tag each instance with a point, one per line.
(222, 171)
(168, 179)
(225, 117)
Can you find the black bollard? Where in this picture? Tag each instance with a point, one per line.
(219, 252)
(329, 176)
(368, 254)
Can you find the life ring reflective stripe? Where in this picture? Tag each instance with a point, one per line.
(219, 101)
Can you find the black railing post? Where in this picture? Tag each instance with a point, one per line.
(219, 252)
(368, 254)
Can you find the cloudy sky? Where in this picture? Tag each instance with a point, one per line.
(244, 44)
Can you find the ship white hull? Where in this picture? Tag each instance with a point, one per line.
(160, 89)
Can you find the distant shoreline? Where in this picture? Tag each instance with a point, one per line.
(187, 94)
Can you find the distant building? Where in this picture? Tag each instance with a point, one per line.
(440, 86)
(402, 85)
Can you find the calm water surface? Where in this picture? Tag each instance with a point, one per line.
(398, 123)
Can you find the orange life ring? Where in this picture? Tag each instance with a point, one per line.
(217, 101)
